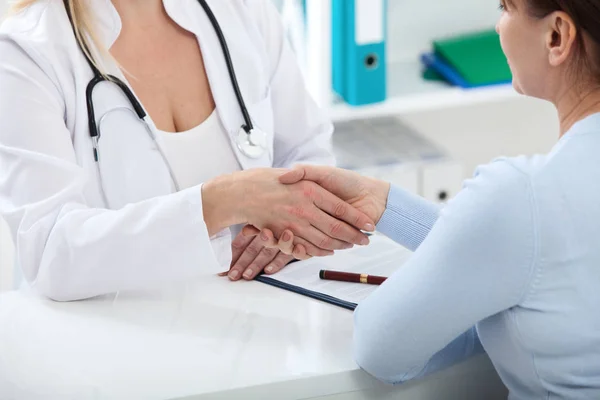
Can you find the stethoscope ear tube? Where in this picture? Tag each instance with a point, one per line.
(248, 126)
(90, 105)
(137, 107)
(139, 110)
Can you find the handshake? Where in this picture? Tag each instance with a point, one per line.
(309, 211)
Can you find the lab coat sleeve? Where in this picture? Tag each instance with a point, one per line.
(302, 129)
(67, 249)
(478, 260)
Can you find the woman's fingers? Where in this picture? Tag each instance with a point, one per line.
(287, 246)
(286, 242)
(336, 235)
(311, 249)
(265, 235)
(262, 260)
(292, 245)
(245, 258)
(342, 211)
(319, 243)
(314, 173)
(300, 253)
(293, 176)
(316, 237)
(278, 263)
(238, 245)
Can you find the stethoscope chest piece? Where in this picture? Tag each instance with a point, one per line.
(252, 144)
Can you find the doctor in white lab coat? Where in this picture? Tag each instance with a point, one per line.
(155, 208)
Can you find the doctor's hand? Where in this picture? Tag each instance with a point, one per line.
(250, 256)
(285, 244)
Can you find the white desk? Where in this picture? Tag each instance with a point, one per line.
(204, 340)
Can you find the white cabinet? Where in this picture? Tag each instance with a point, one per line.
(388, 149)
(441, 181)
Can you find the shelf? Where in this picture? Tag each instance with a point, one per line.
(409, 93)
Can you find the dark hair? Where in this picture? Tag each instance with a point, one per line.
(586, 16)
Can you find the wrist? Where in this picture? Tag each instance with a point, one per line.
(381, 191)
(219, 203)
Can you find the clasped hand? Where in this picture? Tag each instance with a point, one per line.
(310, 211)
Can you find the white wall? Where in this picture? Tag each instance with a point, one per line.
(413, 24)
(475, 135)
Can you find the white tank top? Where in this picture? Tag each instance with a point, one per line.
(199, 154)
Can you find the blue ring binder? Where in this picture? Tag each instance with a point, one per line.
(359, 71)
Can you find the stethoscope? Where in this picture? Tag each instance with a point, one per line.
(250, 140)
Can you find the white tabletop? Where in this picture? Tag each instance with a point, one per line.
(207, 339)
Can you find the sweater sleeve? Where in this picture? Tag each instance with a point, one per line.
(408, 218)
(476, 261)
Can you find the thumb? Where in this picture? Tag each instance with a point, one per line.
(293, 176)
(308, 172)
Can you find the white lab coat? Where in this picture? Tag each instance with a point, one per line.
(70, 244)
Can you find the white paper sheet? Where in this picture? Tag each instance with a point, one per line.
(382, 257)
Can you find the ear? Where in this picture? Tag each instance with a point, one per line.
(560, 38)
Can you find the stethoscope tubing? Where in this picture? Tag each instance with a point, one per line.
(232, 75)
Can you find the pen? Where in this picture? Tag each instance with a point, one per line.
(351, 277)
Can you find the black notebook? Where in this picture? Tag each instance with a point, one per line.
(382, 257)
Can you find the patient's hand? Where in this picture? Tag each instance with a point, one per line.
(367, 195)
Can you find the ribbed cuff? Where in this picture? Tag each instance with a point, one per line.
(408, 218)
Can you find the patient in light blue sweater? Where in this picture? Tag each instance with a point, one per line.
(517, 254)
(511, 265)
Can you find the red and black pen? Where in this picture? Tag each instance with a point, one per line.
(351, 277)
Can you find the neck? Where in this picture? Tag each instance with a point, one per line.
(575, 105)
(140, 12)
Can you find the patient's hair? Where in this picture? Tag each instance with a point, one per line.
(586, 16)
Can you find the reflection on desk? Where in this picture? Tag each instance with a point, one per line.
(203, 340)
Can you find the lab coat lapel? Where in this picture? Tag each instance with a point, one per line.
(107, 26)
